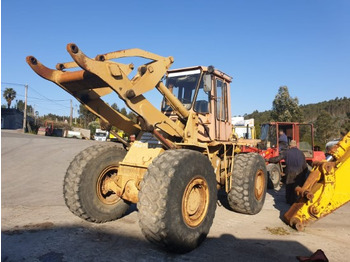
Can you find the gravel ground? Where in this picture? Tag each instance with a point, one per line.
(37, 226)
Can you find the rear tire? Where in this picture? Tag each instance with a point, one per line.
(177, 200)
(249, 183)
(82, 188)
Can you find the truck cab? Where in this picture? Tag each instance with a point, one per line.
(101, 135)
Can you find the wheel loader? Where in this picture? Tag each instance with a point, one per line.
(326, 189)
(174, 181)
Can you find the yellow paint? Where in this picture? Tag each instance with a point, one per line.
(326, 189)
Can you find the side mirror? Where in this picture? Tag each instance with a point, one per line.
(207, 83)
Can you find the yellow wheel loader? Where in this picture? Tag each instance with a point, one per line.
(326, 188)
(182, 155)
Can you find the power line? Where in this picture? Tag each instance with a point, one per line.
(48, 98)
(43, 99)
(13, 84)
(53, 101)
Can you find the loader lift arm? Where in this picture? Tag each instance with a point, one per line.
(100, 76)
(326, 188)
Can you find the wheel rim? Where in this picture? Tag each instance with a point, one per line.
(109, 197)
(195, 202)
(259, 185)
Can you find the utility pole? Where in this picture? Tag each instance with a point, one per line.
(71, 113)
(34, 114)
(75, 114)
(25, 109)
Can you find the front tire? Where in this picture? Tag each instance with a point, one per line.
(249, 184)
(82, 188)
(177, 200)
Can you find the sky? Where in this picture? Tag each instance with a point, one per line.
(301, 44)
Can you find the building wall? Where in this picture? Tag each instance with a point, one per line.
(11, 118)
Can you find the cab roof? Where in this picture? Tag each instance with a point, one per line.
(204, 69)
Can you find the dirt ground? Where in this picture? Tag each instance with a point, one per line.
(37, 226)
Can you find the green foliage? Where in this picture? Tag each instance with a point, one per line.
(324, 128)
(123, 111)
(9, 94)
(285, 108)
(93, 126)
(339, 110)
(115, 106)
(53, 117)
(345, 127)
(20, 106)
(85, 116)
(259, 119)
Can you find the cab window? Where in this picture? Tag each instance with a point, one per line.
(221, 100)
(202, 102)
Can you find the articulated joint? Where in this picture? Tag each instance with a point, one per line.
(128, 191)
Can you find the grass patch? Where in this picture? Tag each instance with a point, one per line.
(277, 231)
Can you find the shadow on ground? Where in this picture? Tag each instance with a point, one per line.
(279, 200)
(46, 242)
(277, 195)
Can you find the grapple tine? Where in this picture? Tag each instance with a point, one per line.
(62, 66)
(87, 88)
(83, 80)
(40, 69)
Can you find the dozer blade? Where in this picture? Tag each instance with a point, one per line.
(326, 189)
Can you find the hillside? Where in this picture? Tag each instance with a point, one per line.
(330, 118)
(337, 108)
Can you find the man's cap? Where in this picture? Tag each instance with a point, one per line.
(293, 143)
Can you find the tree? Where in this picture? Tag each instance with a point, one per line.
(115, 107)
(285, 108)
(9, 94)
(324, 130)
(123, 111)
(132, 117)
(20, 105)
(345, 128)
(86, 115)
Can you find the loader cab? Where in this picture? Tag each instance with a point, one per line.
(206, 91)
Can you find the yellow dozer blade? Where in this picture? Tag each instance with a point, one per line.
(326, 188)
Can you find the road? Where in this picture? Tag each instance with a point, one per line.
(37, 226)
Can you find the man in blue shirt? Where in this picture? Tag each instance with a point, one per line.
(296, 169)
(283, 141)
